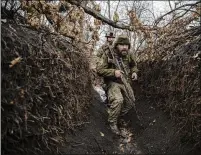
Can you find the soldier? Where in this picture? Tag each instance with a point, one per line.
(116, 93)
(110, 38)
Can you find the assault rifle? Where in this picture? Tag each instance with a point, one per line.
(124, 79)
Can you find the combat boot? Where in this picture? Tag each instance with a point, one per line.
(123, 123)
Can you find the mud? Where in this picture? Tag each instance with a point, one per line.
(155, 133)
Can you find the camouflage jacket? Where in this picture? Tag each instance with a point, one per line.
(102, 50)
(106, 68)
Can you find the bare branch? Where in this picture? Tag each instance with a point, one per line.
(198, 13)
(170, 5)
(97, 15)
(117, 6)
(160, 18)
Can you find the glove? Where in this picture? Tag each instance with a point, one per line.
(118, 73)
(134, 76)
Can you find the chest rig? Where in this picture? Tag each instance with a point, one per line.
(123, 62)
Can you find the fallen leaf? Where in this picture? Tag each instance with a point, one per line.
(15, 61)
(102, 134)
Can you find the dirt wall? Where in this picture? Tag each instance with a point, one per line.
(45, 89)
(174, 83)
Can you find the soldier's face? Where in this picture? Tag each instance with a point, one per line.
(110, 40)
(123, 49)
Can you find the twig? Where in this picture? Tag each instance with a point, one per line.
(160, 18)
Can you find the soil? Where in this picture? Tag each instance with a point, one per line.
(155, 133)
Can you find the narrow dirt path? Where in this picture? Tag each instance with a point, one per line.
(156, 135)
(159, 134)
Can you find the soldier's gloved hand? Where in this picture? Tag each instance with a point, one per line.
(134, 76)
(118, 73)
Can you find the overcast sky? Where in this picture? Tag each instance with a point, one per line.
(158, 7)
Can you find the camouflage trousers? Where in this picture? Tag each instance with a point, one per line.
(118, 102)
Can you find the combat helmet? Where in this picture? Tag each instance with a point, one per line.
(122, 40)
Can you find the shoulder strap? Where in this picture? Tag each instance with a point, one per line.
(105, 47)
(109, 55)
(130, 57)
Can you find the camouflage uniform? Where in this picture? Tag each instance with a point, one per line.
(104, 47)
(100, 52)
(117, 97)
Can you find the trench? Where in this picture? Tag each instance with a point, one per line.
(156, 133)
